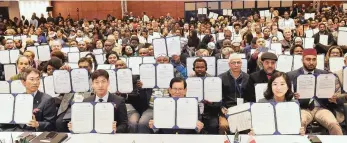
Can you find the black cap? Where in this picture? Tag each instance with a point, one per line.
(268, 56)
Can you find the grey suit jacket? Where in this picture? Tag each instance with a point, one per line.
(67, 98)
(45, 115)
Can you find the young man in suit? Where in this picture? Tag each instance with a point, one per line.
(320, 110)
(43, 107)
(100, 83)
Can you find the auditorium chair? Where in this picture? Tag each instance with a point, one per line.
(317, 129)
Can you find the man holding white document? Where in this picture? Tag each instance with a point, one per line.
(44, 112)
(178, 89)
(323, 39)
(100, 84)
(320, 110)
(234, 84)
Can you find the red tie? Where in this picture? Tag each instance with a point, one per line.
(268, 76)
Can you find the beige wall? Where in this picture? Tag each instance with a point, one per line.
(13, 8)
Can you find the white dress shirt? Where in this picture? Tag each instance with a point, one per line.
(103, 98)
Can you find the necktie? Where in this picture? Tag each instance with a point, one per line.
(309, 73)
(268, 76)
(100, 100)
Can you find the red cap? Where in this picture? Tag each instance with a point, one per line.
(309, 52)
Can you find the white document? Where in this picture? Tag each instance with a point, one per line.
(297, 62)
(244, 67)
(104, 117)
(277, 47)
(308, 43)
(148, 60)
(125, 60)
(73, 65)
(320, 61)
(113, 81)
(262, 13)
(344, 79)
(195, 87)
(323, 39)
(199, 10)
(187, 113)
(225, 12)
(309, 33)
(284, 63)
(213, 89)
(164, 112)
(14, 54)
(211, 65)
(222, 66)
(33, 49)
(83, 54)
(44, 53)
(62, 81)
(6, 108)
(98, 51)
(23, 108)
(221, 36)
(341, 38)
(17, 86)
(134, 64)
(159, 47)
(5, 57)
(241, 121)
(41, 88)
(305, 86)
(215, 16)
(147, 75)
(99, 58)
(73, 57)
(124, 80)
(49, 86)
(204, 10)
(190, 61)
(5, 87)
(104, 66)
(82, 117)
(173, 45)
(80, 80)
(325, 85)
(260, 88)
(165, 72)
(342, 29)
(263, 118)
(210, 15)
(336, 63)
(309, 15)
(8, 37)
(10, 70)
(34, 37)
(65, 50)
(288, 118)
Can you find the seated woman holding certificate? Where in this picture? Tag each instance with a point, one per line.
(279, 90)
(178, 89)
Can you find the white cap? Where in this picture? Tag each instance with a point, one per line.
(211, 45)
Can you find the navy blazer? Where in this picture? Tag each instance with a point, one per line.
(120, 111)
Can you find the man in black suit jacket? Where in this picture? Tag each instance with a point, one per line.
(269, 64)
(43, 107)
(320, 110)
(100, 83)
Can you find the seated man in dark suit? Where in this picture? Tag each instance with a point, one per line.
(178, 88)
(100, 83)
(43, 108)
(317, 109)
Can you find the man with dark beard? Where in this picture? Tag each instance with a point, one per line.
(200, 68)
(318, 109)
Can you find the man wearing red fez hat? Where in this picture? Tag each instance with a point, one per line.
(317, 109)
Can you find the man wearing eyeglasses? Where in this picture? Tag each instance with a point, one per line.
(234, 84)
(178, 89)
(44, 111)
